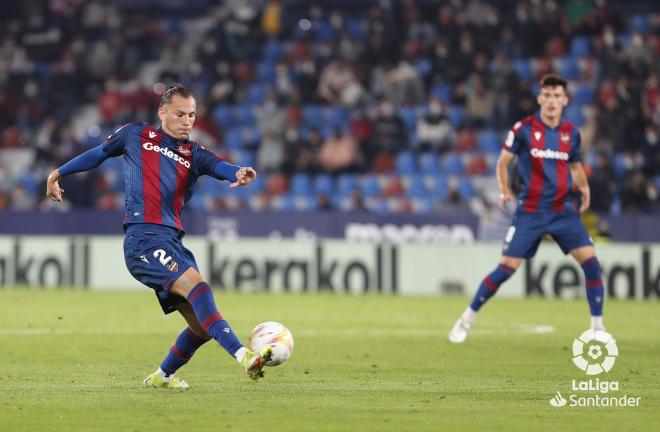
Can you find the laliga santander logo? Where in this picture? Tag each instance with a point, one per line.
(595, 352)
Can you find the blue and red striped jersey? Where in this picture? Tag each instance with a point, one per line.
(159, 172)
(544, 155)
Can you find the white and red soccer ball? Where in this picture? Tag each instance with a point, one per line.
(277, 336)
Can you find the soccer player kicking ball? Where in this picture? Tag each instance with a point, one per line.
(161, 166)
(548, 150)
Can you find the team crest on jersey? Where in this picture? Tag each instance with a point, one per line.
(173, 266)
(537, 135)
(564, 137)
(184, 150)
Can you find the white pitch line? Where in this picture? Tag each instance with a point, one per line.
(374, 332)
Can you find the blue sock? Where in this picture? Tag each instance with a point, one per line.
(202, 302)
(594, 283)
(184, 348)
(490, 285)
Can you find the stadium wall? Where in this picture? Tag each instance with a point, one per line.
(335, 266)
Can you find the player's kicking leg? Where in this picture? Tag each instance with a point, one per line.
(487, 289)
(595, 289)
(199, 295)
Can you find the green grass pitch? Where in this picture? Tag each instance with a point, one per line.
(75, 360)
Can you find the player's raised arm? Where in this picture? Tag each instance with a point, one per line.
(212, 165)
(113, 146)
(580, 180)
(502, 174)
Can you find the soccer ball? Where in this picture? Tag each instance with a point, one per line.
(277, 336)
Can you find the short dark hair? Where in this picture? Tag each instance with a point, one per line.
(553, 80)
(176, 89)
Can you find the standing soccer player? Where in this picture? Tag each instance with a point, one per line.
(161, 165)
(549, 162)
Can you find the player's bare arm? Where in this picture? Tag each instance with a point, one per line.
(53, 189)
(502, 175)
(580, 180)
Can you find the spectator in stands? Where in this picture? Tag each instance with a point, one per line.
(638, 193)
(434, 130)
(339, 85)
(339, 153)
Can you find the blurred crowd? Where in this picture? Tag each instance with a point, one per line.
(381, 106)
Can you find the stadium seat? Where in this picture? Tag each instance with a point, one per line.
(416, 188)
(257, 93)
(405, 163)
(313, 116)
(523, 68)
(455, 115)
(409, 117)
(567, 67)
(575, 115)
(301, 184)
(428, 163)
(580, 46)
(440, 189)
(452, 164)
(273, 51)
(584, 94)
(222, 115)
(346, 183)
(243, 115)
(370, 186)
(424, 67)
(488, 141)
(233, 139)
(323, 184)
(466, 188)
(266, 72)
(442, 91)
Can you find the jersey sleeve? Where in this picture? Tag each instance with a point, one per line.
(114, 144)
(576, 152)
(210, 164)
(513, 140)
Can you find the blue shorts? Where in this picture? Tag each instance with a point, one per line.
(528, 228)
(156, 257)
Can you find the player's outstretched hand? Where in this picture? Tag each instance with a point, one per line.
(244, 176)
(53, 189)
(504, 199)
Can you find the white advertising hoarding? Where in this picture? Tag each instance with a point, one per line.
(97, 262)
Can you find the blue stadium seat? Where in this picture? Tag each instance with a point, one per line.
(346, 183)
(523, 68)
(273, 51)
(313, 116)
(222, 115)
(567, 67)
(243, 158)
(301, 184)
(355, 29)
(424, 67)
(369, 186)
(323, 184)
(282, 202)
(442, 91)
(440, 189)
(640, 22)
(233, 139)
(466, 188)
(584, 94)
(335, 116)
(428, 163)
(405, 163)
(266, 72)
(575, 115)
(423, 205)
(580, 46)
(257, 93)
(452, 164)
(244, 115)
(455, 115)
(488, 141)
(416, 187)
(409, 117)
